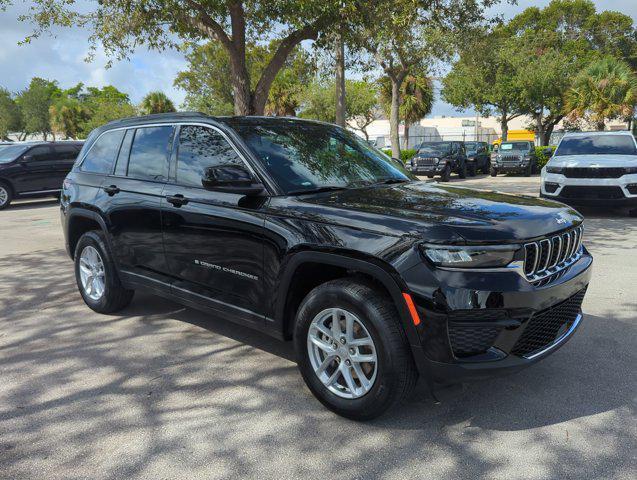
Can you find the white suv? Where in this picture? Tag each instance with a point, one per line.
(593, 168)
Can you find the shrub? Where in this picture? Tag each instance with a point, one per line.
(542, 158)
(405, 154)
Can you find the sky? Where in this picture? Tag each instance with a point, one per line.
(61, 56)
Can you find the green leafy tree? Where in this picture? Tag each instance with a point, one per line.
(207, 89)
(119, 26)
(361, 103)
(157, 102)
(416, 100)
(104, 105)
(485, 77)
(10, 116)
(67, 115)
(404, 37)
(34, 104)
(605, 90)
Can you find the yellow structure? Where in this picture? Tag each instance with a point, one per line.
(517, 135)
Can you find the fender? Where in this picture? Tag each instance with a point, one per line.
(390, 281)
(88, 214)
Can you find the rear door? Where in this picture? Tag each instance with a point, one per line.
(131, 199)
(213, 240)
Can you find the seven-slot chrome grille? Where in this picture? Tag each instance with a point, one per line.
(550, 255)
(425, 161)
(510, 158)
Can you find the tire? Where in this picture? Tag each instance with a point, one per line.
(486, 168)
(462, 171)
(6, 195)
(446, 174)
(632, 213)
(494, 172)
(473, 170)
(376, 318)
(113, 295)
(430, 176)
(528, 170)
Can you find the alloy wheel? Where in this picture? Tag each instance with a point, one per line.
(92, 273)
(4, 196)
(342, 353)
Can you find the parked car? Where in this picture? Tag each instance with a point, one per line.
(34, 169)
(593, 168)
(478, 157)
(303, 231)
(439, 158)
(518, 157)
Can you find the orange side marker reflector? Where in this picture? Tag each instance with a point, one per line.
(412, 309)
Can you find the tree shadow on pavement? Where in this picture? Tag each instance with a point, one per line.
(163, 391)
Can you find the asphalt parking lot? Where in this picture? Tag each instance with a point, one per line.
(163, 391)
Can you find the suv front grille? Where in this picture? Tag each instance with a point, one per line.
(426, 161)
(549, 255)
(546, 327)
(604, 172)
(468, 340)
(510, 158)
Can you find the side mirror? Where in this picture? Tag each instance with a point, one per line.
(26, 158)
(231, 179)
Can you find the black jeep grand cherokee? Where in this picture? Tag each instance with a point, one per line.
(302, 230)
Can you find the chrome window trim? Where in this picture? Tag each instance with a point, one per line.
(174, 125)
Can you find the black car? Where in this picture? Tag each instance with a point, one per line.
(515, 157)
(29, 170)
(478, 157)
(304, 231)
(439, 158)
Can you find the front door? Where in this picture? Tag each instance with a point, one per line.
(213, 240)
(35, 170)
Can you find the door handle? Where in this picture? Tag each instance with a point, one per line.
(111, 190)
(177, 200)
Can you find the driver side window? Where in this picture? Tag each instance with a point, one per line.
(199, 149)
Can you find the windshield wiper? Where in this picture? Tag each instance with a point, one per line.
(326, 188)
(389, 181)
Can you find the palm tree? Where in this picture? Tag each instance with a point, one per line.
(157, 102)
(605, 90)
(416, 99)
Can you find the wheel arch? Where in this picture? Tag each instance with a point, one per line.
(336, 265)
(80, 221)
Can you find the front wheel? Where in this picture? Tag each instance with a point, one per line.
(462, 171)
(446, 174)
(96, 275)
(528, 170)
(351, 349)
(473, 170)
(494, 172)
(486, 167)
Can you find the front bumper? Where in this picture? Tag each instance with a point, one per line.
(428, 170)
(477, 325)
(511, 167)
(612, 192)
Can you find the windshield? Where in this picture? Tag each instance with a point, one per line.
(436, 148)
(473, 147)
(514, 146)
(9, 153)
(303, 156)
(597, 145)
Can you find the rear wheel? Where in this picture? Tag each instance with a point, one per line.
(351, 349)
(96, 275)
(6, 195)
(473, 170)
(486, 167)
(462, 171)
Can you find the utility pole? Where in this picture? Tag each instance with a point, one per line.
(340, 81)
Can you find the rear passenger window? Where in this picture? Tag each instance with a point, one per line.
(65, 152)
(101, 156)
(201, 148)
(150, 153)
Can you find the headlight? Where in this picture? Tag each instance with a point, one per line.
(553, 169)
(470, 257)
(630, 170)
(441, 161)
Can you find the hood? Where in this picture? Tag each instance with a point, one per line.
(477, 216)
(593, 161)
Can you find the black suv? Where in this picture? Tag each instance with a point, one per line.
(439, 158)
(478, 157)
(29, 170)
(304, 231)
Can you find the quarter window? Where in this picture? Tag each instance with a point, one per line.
(150, 153)
(100, 157)
(199, 149)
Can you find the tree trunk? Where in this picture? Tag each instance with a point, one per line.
(340, 81)
(546, 138)
(600, 125)
(241, 87)
(394, 115)
(504, 126)
(406, 137)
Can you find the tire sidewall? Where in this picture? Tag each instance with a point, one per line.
(95, 240)
(9, 191)
(380, 394)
